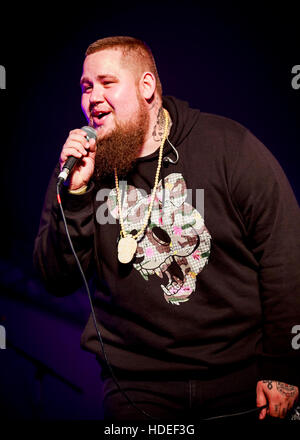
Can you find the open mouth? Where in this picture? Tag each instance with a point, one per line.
(99, 116)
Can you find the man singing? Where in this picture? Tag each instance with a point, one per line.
(192, 229)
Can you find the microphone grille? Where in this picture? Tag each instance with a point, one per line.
(90, 131)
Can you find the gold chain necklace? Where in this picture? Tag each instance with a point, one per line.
(128, 243)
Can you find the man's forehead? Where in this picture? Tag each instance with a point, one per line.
(109, 61)
(106, 58)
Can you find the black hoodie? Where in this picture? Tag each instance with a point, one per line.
(215, 281)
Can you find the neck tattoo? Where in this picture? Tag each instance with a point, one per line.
(128, 243)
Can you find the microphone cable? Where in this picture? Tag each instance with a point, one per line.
(241, 413)
(92, 307)
(100, 337)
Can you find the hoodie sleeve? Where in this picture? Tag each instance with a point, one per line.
(52, 256)
(270, 212)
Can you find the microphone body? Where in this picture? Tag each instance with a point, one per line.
(71, 161)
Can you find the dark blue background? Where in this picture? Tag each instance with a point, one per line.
(230, 58)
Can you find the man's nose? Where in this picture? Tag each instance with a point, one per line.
(96, 95)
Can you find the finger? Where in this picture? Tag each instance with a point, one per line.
(78, 131)
(81, 136)
(76, 146)
(92, 145)
(261, 400)
(69, 152)
(263, 413)
(274, 409)
(291, 404)
(78, 138)
(283, 412)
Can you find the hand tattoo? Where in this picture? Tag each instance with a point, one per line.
(285, 389)
(269, 382)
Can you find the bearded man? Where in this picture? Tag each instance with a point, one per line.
(195, 312)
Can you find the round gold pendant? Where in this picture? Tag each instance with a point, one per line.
(126, 249)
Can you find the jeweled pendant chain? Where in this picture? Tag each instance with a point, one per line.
(123, 233)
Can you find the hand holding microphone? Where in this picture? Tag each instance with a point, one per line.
(79, 146)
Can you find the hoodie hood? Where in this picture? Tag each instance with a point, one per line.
(183, 119)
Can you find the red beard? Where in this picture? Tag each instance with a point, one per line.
(120, 148)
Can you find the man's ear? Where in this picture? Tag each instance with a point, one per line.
(147, 85)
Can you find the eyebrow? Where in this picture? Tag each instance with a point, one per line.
(99, 78)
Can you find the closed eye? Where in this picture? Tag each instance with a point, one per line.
(85, 87)
(108, 82)
(107, 79)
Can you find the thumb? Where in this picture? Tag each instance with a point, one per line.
(261, 400)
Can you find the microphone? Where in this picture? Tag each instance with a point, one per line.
(71, 161)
